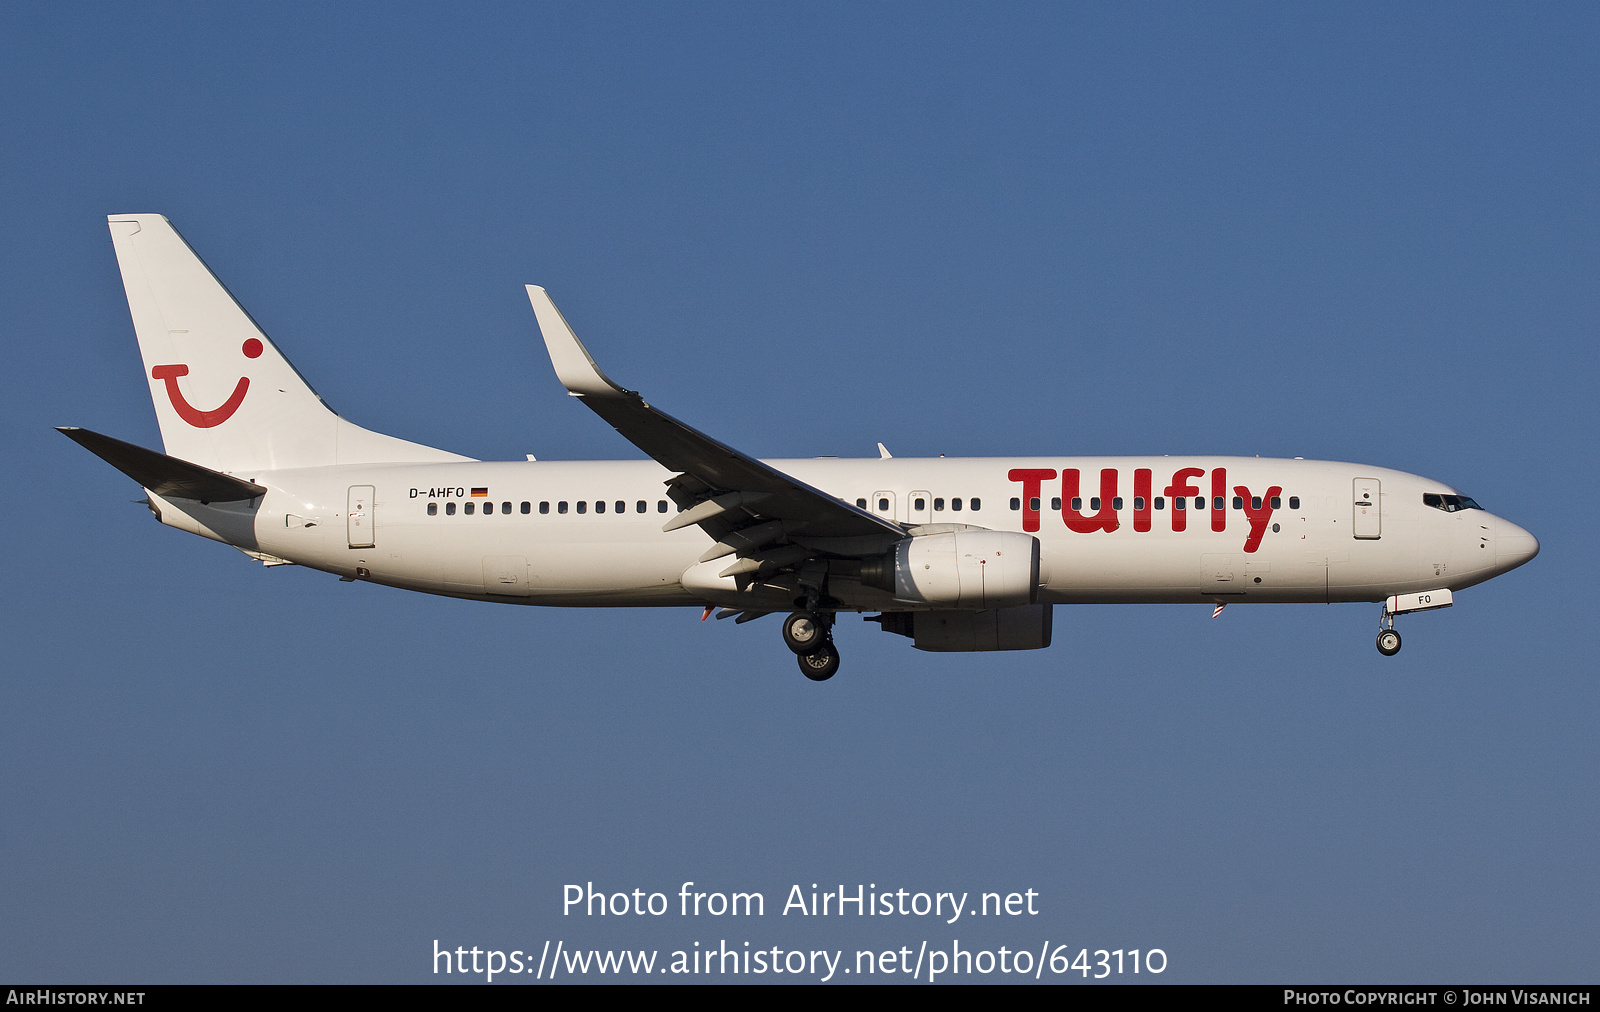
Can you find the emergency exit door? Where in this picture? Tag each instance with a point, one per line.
(883, 504)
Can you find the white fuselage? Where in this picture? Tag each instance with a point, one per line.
(1320, 543)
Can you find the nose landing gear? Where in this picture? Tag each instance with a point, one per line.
(1402, 604)
(1388, 639)
(810, 635)
(1388, 642)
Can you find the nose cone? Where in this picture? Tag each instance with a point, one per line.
(1513, 546)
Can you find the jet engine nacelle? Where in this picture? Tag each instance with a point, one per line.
(960, 569)
(950, 631)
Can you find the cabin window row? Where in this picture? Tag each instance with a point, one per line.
(1160, 503)
(561, 506)
(919, 504)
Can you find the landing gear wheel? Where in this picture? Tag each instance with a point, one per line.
(1388, 642)
(804, 632)
(820, 664)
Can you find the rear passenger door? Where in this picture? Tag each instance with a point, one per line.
(359, 516)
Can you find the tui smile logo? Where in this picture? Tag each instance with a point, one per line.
(193, 415)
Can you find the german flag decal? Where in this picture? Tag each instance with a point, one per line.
(480, 493)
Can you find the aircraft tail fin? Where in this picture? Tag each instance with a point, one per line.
(225, 396)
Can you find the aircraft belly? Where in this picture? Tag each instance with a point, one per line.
(600, 567)
(582, 567)
(1170, 567)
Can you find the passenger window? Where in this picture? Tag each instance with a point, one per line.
(1055, 503)
(1077, 504)
(1294, 502)
(661, 506)
(1161, 502)
(1033, 504)
(1199, 502)
(505, 507)
(1178, 503)
(622, 507)
(1016, 504)
(1094, 504)
(1116, 503)
(975, 504)
(599, 505)
(1238, 502)
(544, 507)
(468, 507)
(583, 506)
(527, 507)
(861, 504)
(1138, 503)
(938, 505)
(1277, 502)
(919, 504)
(883, 505)
(1255, 502)
(955, 504)
(1219, 503)
(449, 509)
(433, 509)
(561, 507)
(641, 507)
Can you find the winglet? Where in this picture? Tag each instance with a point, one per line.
(574, 366)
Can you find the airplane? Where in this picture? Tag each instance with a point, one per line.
(956, 554)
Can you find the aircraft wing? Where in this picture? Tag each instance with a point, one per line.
(746, 505)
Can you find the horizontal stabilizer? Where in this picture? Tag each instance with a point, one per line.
(166, 476)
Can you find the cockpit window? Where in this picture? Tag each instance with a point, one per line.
(1449, 503)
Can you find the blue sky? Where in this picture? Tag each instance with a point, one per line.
(1344, 232)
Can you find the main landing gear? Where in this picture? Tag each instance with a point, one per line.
(820, 666)
(810, 635)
